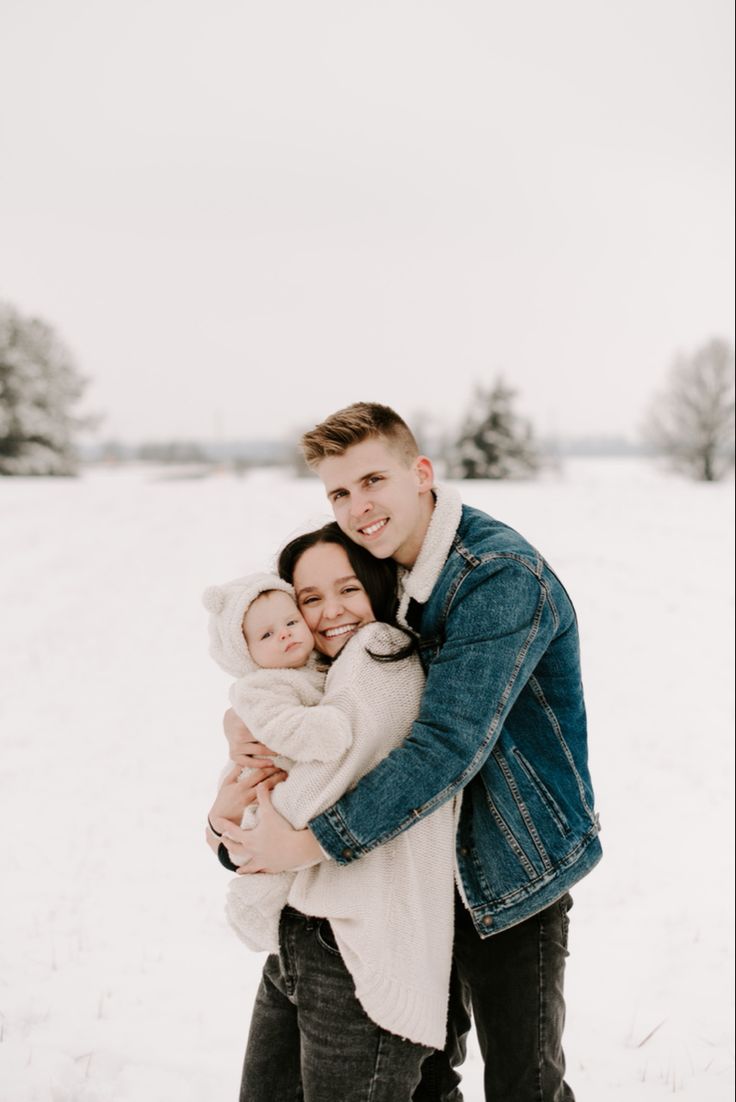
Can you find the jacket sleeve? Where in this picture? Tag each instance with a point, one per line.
(499, 625)
(318, 732)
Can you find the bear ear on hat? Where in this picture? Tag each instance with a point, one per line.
(213, 599)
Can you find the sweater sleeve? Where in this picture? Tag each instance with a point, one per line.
(287, 713)
(312, 785)
(378, 702)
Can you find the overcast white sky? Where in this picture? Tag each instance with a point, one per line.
(241, 216)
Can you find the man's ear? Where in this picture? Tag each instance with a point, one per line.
(425, 474)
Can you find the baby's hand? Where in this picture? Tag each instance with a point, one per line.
(238, 790)
(244, 751)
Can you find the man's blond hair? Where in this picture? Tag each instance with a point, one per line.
(354, 424)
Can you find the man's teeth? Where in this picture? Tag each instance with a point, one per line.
(373, 527)
(343, 630)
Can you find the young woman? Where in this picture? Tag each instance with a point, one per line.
(356, 998)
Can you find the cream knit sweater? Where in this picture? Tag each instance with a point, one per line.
(392, 911)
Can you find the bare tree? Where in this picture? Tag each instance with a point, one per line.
(692, 421)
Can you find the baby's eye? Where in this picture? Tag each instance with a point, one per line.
(290, 623)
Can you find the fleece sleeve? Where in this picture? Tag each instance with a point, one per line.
(301, 732)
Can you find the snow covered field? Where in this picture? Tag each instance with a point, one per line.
(119, 980)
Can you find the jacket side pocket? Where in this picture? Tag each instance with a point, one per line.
(543, 792)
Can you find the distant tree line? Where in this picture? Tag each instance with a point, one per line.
(691, 422)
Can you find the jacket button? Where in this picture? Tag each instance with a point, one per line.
(487, 920)
(464, 851)
(347, 854)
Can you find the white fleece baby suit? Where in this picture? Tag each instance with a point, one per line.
(279, 708)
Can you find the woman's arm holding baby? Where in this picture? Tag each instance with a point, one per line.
(287, 849)
(279, 841)
(371, 695)
(295, 848)
(237, 791)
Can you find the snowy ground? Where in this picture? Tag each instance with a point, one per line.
(119, 980)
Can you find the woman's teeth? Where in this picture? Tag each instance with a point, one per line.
(331, 633)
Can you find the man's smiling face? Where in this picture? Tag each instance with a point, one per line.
(380, 499)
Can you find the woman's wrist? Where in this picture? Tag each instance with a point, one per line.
(309, 850)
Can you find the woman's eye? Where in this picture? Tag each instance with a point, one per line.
(375, 478)
(309, 600)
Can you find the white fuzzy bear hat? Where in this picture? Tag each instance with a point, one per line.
(227, 605)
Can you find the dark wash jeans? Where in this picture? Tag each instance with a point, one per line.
(310, 1040)
(513, 983)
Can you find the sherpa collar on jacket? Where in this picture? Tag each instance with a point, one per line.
(418, 583)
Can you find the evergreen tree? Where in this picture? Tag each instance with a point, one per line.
(39, 384)
(494, 441)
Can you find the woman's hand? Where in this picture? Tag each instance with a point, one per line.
(235, 793)
(247, 753)
(272, 845)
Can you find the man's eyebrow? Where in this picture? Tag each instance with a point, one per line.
(363, 477)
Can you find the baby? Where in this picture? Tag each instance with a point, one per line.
(258, 635)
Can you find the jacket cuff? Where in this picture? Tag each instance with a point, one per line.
(334, 838)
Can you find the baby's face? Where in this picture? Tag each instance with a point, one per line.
(276, 632)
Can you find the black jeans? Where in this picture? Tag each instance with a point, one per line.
(310, 1040)
(513, 984)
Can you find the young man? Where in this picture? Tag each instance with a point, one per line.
(502, 720)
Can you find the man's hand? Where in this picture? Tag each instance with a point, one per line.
(271, 846)
(235, 794)
(244, 751)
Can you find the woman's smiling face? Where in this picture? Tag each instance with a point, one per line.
(330, 597)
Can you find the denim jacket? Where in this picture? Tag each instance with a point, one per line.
(502, 721)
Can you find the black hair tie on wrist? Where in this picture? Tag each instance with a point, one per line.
(224, 857)
(217, 833)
